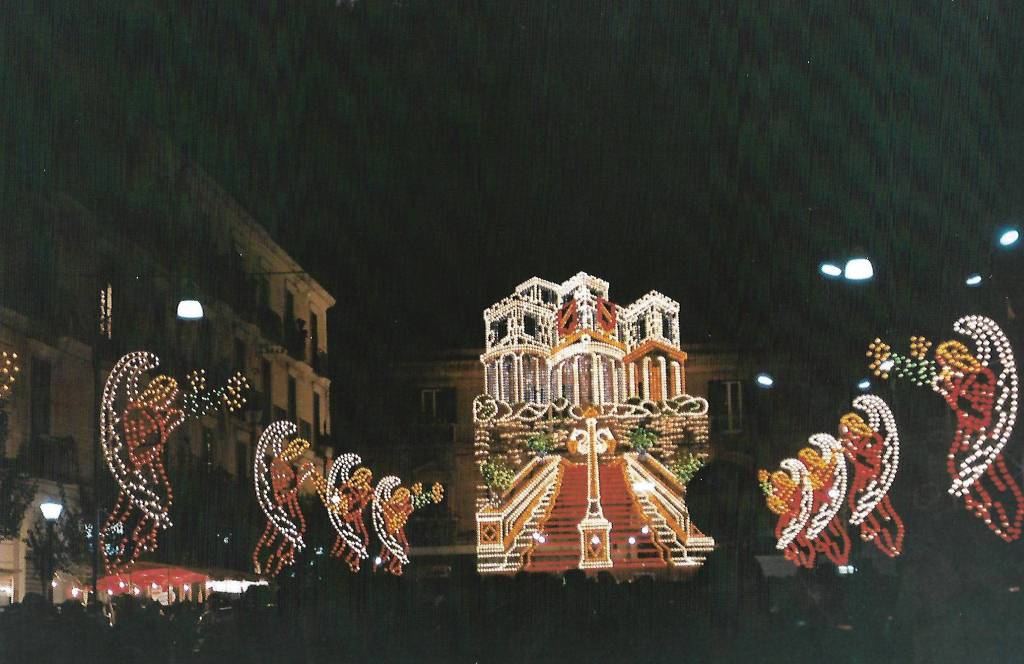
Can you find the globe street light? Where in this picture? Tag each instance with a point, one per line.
(189, 309)
(831, 270)
(1008, 237)
(51, 512)
(858, 269)
(764, 380)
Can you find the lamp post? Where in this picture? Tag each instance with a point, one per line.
(51, 512)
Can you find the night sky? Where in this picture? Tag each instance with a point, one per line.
(422, 158)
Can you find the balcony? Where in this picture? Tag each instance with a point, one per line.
(270, 325)
(51, 458)
(296, 338)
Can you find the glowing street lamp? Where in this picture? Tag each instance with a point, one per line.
(831, 270)
(864, 385)
(1009, 237)
(51, 512)
(764, 380)
(973, 280)
(858, 269)
(190, 309)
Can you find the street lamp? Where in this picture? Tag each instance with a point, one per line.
(764, 380)
(190, 309)
(831, 270)
(1008, 237)
(858, 269)
(973, 280)
(864, 385)
(51, 512)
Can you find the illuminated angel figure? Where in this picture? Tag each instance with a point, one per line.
(277, 490)
(875, 461)
(826, 470)
(136, 462)
(986, 410)
(391, 510)
(788, 494)
(346, 498)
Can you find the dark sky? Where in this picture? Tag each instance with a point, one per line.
(422, 158)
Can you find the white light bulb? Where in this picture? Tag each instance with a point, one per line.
(973, 280)
(764, 380)
(1009, 237)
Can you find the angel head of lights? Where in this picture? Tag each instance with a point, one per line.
(807, 493)
(981, 388)
(134, 427)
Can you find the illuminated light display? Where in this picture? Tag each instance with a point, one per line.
(393, 504)
(788, 494)
(198, 401)
(346, 497)
(9, 371)
(808, 492)
(875, 459)
(828, 476)
(981, 388)
(133, 441)
(277, 491)
(564, 362)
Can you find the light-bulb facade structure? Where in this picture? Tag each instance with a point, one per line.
(584, 414)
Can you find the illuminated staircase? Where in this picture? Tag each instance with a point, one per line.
(559, 550)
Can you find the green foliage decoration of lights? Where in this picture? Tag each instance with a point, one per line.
(642, 439)
(540, 443)
(686, 467)
(497, 476)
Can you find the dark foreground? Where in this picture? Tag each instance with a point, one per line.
(926, 612)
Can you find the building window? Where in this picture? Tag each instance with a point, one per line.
(316, 418)
(530, 326)
(107, 311)
(289, 307)
(726, 402)
(292, 401)
(241, 354)
(209, 445)
(438, 404)
(241, 460)
(40, 397)
(314, 333)
(266, 378)
(305, 430)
